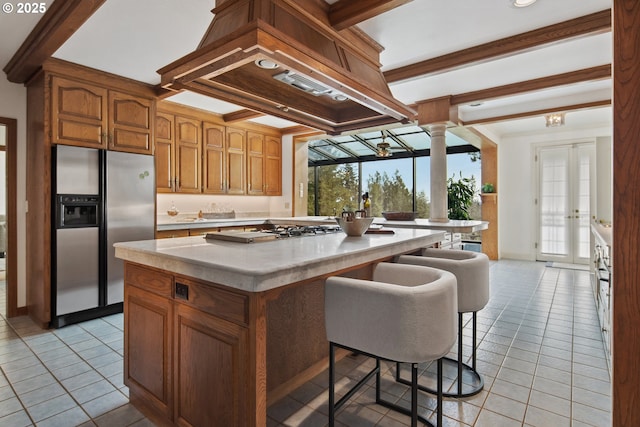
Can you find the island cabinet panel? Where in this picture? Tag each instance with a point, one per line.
(130, 123)
(236, 141)
(188, 152)
(213, 169)
(164, 153)
(148, 344)
(79, 113)
(190, 356)
(210, 370)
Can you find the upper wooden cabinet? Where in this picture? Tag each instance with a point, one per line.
(273, 166)
(130, 121)
(188, 153)
(213, 165)
(89, 115)
(79, 113)
(255, 163)
(264, 164)
(236, 141)
(165, 152)
(196, 154)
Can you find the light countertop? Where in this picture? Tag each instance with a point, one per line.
(261, 266)
(453, 226)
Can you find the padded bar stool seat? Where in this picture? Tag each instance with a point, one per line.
(472, 273)
(406, 314)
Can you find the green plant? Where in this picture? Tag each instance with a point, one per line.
(460, 196)
(488, 187)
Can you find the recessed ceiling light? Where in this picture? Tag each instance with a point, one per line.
(266, 64)
(523, 3)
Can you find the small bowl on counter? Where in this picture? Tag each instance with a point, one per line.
(354, 226)
(399, 216)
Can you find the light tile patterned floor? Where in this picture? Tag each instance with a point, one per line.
(540, 354)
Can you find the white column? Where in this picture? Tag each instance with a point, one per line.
(439, 206)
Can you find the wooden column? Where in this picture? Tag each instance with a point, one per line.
(489, 152)
(626, 214)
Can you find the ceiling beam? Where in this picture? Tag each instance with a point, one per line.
(346, 13)
(57, 25)
(580, 76)
(595, 23)
(240, 115)
(526, 114)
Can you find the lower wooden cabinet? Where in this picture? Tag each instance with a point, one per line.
(187, 355)
(209, 371)
(148, 342)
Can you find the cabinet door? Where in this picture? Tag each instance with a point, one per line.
(235, 161)
(130, 119)
(213, 138)
(78, 113)
(188, 153)
(164, 152)
(211, 370)
(148, 346)
(255, 163)
(273, 166)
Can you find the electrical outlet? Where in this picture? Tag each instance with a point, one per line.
(182, 291)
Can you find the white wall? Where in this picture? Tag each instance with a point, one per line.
(13, 104)
(517, 186)
(244, 206)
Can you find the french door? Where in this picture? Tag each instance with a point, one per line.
(566, 190)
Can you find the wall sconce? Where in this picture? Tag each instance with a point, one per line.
(554, 120)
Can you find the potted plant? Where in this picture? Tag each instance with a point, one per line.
(460, 196)
(488, 187)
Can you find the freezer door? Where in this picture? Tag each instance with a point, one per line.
(77, 271)
(130, 210)
(77, 170)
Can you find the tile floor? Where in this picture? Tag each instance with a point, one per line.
(540, 354)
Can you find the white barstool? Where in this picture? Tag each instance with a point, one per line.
(472, 273)
(406, 314)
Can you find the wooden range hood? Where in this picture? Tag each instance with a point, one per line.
(318, 64)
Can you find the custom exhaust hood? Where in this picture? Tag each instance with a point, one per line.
(283, 58)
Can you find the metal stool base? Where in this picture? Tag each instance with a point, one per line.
(462, 390)
(412, 412)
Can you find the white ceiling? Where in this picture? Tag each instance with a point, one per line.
(136, 38)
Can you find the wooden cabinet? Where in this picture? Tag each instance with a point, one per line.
(273, 166)
(213, 167)
(88, 115)
(79, 113)
(130, 123)
(255, 163)
(165, 152)
(148, 336)
(186, 351)
(235, 159)
(188, 153)
(194, 154)
(209, 376)
(264, 164)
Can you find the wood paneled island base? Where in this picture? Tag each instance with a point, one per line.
(198, 352)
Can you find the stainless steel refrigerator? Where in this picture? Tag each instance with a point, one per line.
(100, 198)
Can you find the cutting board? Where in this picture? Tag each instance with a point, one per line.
(241, 236)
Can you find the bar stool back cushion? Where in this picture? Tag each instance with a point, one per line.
(470, 268)
(407, 313)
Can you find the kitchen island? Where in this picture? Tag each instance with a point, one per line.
(216, 330)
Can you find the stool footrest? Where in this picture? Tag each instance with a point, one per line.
(468, 389)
